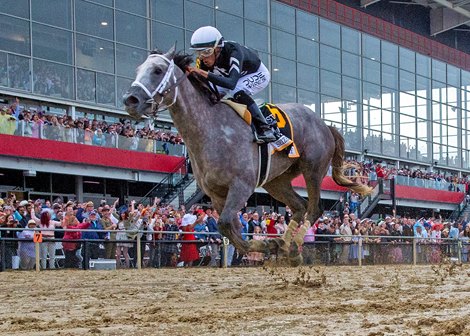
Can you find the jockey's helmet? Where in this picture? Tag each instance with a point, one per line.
(205, 40)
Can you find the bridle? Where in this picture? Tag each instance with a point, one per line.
(163, 88)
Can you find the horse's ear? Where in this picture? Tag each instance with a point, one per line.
(171, 53)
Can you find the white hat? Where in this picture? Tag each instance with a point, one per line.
(188, 219)
(23, 203)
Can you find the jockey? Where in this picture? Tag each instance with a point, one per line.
(234, 70)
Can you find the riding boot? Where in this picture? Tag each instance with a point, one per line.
(264, 131)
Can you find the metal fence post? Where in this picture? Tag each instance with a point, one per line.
(139, 253)
(2, 256)
(459, 254)
(360, 251)
(414, 252)
(86, 261)
(224, 260)
(36, 247)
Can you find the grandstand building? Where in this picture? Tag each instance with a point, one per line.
(393, 76)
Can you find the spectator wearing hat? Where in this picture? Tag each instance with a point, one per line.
(91, 249)
(26, 250)
(189, 252)
(169, 249)
(109, 221)
(48, 246)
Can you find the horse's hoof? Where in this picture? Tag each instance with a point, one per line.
(297, 261)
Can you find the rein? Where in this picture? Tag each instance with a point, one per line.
(162, 88)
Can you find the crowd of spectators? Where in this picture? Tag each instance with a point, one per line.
(38, 124)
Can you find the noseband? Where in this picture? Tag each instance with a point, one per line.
(163, 88)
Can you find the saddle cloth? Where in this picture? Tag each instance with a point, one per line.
(277, 119)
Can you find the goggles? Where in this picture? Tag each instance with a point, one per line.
(205, 52)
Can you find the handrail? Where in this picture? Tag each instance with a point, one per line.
(370, 199)
(165, 182)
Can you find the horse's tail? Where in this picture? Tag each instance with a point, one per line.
(339, 167)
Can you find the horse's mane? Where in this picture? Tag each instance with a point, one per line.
(183, 61)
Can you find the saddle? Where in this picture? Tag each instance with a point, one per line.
(277, 119)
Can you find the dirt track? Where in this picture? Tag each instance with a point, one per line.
(245, 301)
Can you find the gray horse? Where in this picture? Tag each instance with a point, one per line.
(225, 158)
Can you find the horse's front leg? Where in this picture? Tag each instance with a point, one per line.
(229, 222)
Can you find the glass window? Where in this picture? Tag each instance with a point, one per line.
(330, 58)
(135, 6)
(371, 70)
(351, 65)
(422, 108)
(86, 85)
(423, 87)
(104, 2)
(230, 26)
(283, 93)
(168, 11)
(307, 51)
(256, 10)
(389, 76)
(256, 36)
(19, 74)
(52, 44)
(407, 59)
(389, 53)
(94, 20)
(3, 69)
(389, 99)
(408, 126)
(466, 79)
(351, 88)
(350, 40)
(330, 83)
(53, 79)
(438, 91)
(131, 29)
(283, 44)
(209, 3)
(197, 16)
(371, 94)
(283, 17)
(96, 54)
(307, 25)
(330, 33)
(388, 121)
(452, 96)
(283, 71)
(308, 98)
(105, 89)
(407, 81)
(123, 84)
(14, 36)
(127, 60)
(352, 137)
(331, 109)
(407, 104)
(423, 65)
(17, 8)
(164, 36)
(453, 75)
(307, 77)
(53, 12)
(371, 47)
(438, 70)
(230, 6)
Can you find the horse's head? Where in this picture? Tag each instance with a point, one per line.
(155, 86)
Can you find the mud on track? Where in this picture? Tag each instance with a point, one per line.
(373, 300)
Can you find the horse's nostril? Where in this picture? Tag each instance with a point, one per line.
(131, 101)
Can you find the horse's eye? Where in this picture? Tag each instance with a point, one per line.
(157, 71)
